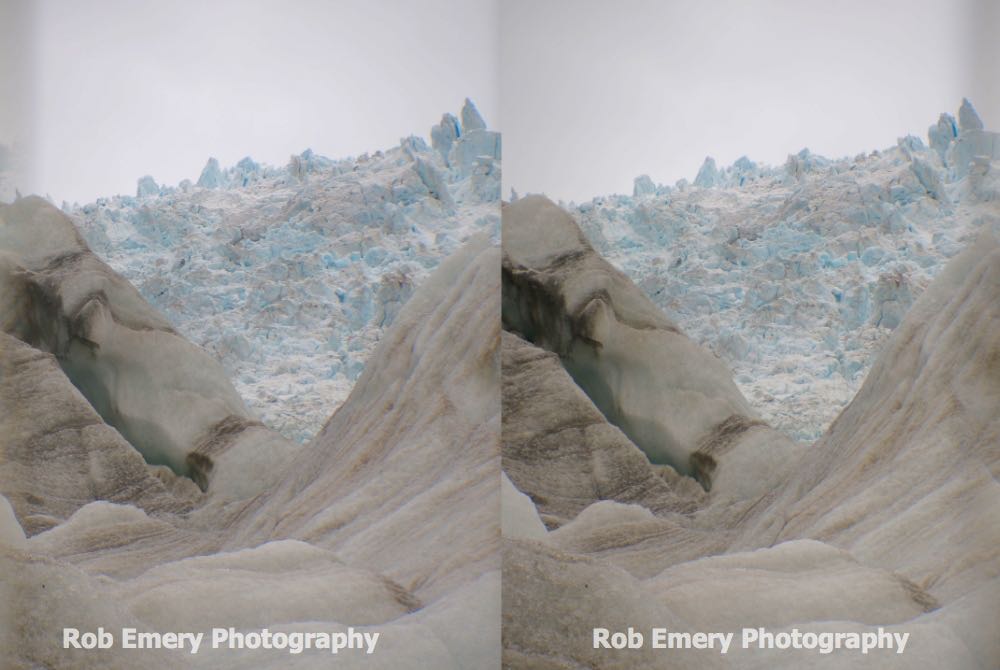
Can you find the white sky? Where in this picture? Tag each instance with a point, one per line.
(127, 88)
(594, 92)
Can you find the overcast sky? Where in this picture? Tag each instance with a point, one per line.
(594, 93)
(124, 87)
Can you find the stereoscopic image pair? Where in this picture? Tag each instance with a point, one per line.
(483, 397)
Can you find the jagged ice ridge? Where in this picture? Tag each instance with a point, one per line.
(289, 275)
(796, 275)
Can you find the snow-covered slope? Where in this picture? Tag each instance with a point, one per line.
(796, 275)
(290, 275)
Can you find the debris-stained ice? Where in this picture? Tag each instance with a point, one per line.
(885, 529)
(385, 521)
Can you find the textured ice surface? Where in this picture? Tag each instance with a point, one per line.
(889, 520)
(289, 275)
(386, 520)
(673, 398)
(165, 395)
(796, 275)
(558, 447)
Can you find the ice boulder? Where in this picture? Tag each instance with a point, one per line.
(742, 170)
(795, 170)
(298, 167)
(485, 179)
(554, 599)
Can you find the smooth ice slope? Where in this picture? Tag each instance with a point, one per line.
(290, 275)
(796, 275)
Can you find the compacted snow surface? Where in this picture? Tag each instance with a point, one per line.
(289, 275)
(796, 275)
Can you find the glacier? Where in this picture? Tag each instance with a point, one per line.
(887, 521)
(137, 489)
(290, 275)
(671, 398)
(796, 275)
